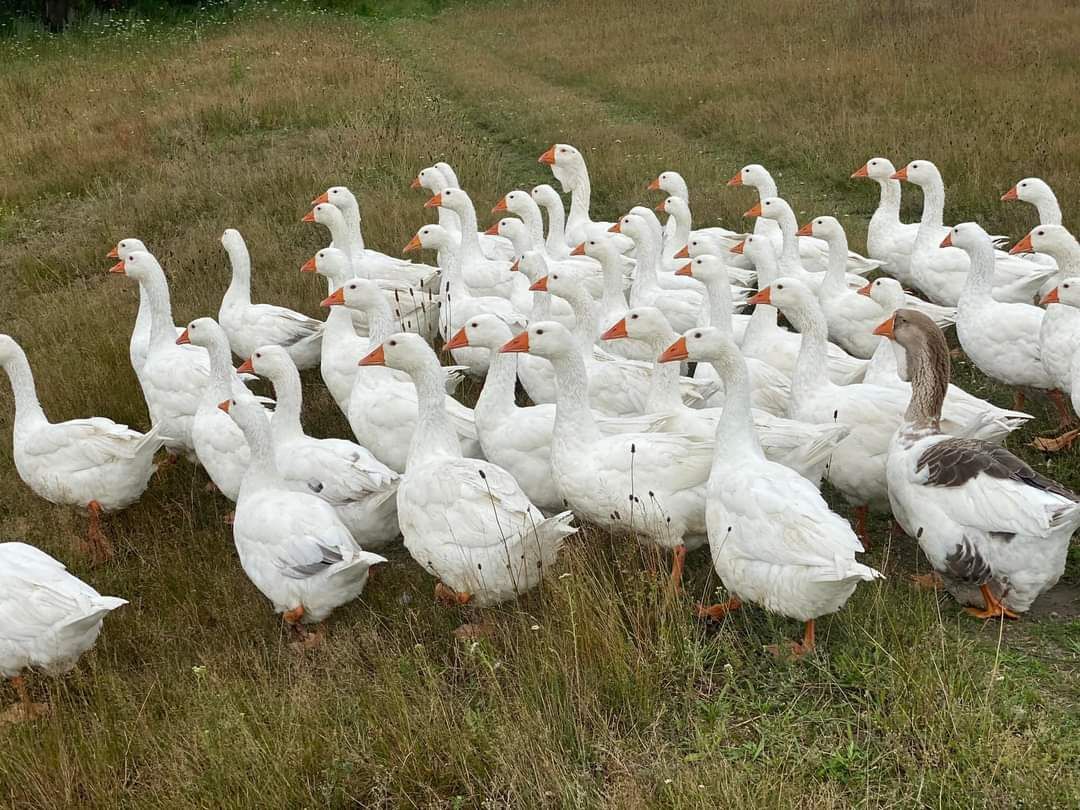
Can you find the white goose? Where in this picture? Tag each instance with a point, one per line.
(995, 530)
(651, 485)
(568, 166)
(140, 334)
(361, 489)
(1037, 192)
(613, 301)
(889, 240)
(50, 618)
(678, 211)
(1067, 294)
(765, 340)
(248, 325)
(1001, 339)
(516, 231)
(219, 443)
(466, 521)
(374, 263)
(548, 199)
(172, 377)
(292, 544)
(383, 404)
(804, 447)
(813, 254)
(959, 407)
(941, 273)
(774, 540)
(91, 464)
(434, 180)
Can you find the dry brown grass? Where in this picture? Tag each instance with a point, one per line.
(600, 691)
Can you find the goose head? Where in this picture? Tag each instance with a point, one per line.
(248, 415)
(431, 179)
(827, 228)
(759, 250)
(1052, 239)
(329, 262)
(448, 174)
(1067, 292)
(516, 202)
(754, 175)
(877, 168)
(703, 344)
(789, 295)
(357, 293)
(566, 281)
(650, 217)
(968, 236)
(546, 196)
(916, 340)
(139, 265)
(326, 214)
(125, 246)
(512, 228)
(430, 237)
(633, 226)
(454, 199)
(671, 183)
(919, 172)
(484, 331)
(340, 197)
(707, 268)
(205, 332)
(776, 208)
(567, 164)
(548, 339)
(533, 264)
(404, 351)
(269, 361)
(232, 241)
(1031, 190)
(886, 292)
(645, 324)
(602, 249)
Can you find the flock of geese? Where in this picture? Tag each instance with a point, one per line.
(660, 411)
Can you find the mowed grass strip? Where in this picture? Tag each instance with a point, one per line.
(600, 690)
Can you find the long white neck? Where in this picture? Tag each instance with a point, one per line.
(156, 289)
(343, 240)
(933, 211)
(220, 367)
(735, 433)
(835, 280)
(811, 372)
(556, 236)
(351, 213)
(647, 253)
(613, 299)
(586, 317)
(28, 410)
(339, 323)
(789, 250)
(534, 222)
(580, 194)
(434, 436)
(763, 323)
(1048, 208)
(380, 320)
(573, 418)
(470, 239)
(766, 187)
(888, 210)
(719, 293)
(664, 378)
(541, 307)
(681, 215)
(498, 394)
(288, 395)
(262, 471)
(239, 291)
(452, 287)
(979, 285)
(1067, 256)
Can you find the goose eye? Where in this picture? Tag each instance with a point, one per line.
(1023, 185)
(352, 286)
(768, 203)
(914, 165)
(1040, 233)
(633, 317)
(779, 286)
(257, 355)
(539, 331)
(697, 334)
(393, 343)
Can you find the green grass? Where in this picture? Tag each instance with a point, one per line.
(601, 690)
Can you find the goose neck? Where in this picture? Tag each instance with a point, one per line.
(156, 290)
(574, 420)
(664, 379)
(351, 213)
(811, 369)
(28, 409)
(498, 393)
(556, 236)
(239, 291)
(434, 436)
(735, 433)
(835, 280)
(288, 396)
(979, 284)
(929, 368)
(470, 240)
(933, 211)
(888, 210)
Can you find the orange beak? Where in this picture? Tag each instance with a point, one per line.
(434, 202)
(900, 175)
(755, 211)
(117, 268)
(336, 298)
(459, 341)
(246, 367)
(1010, 195)
(947, 241)
(376, 358)
(540, 285)
(548, 158)
(806, 230)
(309, 216)
(579, 250)
(1051, 297)
(655, 185)
(1023, 246)
(685, 270)
(493, 230)
(225, 405)
(184, 338)
(519, 343)
(736, 180)
(616, 331)
(676, 351)
(500, 206)
(516, 266)
(322, 198)
(684, 252)
(885, 329)
(112, 254)
(662, 207)
(762, 297)
(739, 248)
(861, 172)
(416, 182)
(865, 290)
(308, 266)
(414, 244)
(616, 228)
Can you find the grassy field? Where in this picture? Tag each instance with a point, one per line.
(600, 690)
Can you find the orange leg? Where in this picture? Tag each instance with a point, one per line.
(798, 648)
(1065, 417)
(1055, 444)
(994, 609)
(715, 613)
(447, 596)
(25, 710)
(100, 548)
(678, 562)
(1018, 399)
(862, 513)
